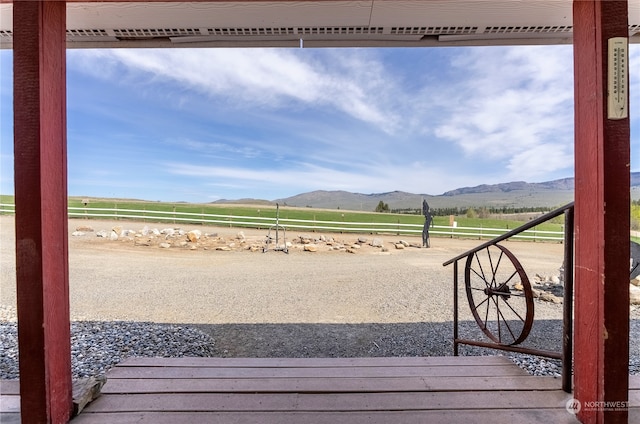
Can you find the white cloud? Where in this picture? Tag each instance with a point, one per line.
(513, 104)
(354, 84)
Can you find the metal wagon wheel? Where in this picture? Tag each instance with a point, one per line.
(503, 313)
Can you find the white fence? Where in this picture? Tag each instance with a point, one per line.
(299, 224)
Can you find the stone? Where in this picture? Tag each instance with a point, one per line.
(548, 297)
(362, 240)
(183, 243)
(399, 246)
(376, 242)
(193, 247)
(240, 235)
(145, 230)
(310, 248)
(404, 243)
(194, 235)
(85, 229)
(555, 279)
(85, 391)
(77, 234)
(636, 281)
(168, 232)
(118, 230)
(102, 233)
(155, 232)
(305, 239)
(113, 236)
(355, 246)
(518, 286)
(350, 250)
(634, 295)
(223, 248)
(164, 245)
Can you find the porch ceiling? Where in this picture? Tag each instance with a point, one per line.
(319, 23)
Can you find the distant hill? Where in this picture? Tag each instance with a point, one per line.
(513, 194)
(562, 185)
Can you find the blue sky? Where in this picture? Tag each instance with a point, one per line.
(200, 125)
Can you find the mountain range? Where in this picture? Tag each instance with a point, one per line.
(512, 195)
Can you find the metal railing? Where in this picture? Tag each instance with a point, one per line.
(397, 228)
(488, 287)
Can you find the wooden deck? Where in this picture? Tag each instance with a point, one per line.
(323, 390)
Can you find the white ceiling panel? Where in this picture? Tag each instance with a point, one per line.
(317, 23)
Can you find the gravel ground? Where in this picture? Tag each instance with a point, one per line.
(132, 300)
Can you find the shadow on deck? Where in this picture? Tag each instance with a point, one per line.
(324, 390)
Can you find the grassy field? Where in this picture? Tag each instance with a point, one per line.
(262, 216)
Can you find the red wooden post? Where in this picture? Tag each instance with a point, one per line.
(41, 210)
(602, 220)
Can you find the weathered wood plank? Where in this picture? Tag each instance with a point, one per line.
(9, 387)
(330, 402)
(335, 385)
(10, 418)
(408, 417)
(10, 403)
(318, 362)
(327, 372)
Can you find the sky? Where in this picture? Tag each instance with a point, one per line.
(200, 125)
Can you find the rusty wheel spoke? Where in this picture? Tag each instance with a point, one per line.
(488, 276)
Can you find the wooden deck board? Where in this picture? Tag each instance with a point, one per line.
(405, 417)
(405, 361)
(322, 372)
(412, 401)
(323, 390)
(336, 385)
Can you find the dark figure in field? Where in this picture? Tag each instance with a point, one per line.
(635, 260)
(428, 222)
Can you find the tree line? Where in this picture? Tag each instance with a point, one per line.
(476, 211)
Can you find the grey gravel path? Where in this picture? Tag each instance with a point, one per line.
(130, 300)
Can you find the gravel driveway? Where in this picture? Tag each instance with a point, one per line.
(375, 302)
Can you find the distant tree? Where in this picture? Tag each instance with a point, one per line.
(382, 207)
(471, 213)
(483, 213)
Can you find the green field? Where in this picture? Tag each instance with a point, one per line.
(263, 216)
(308, 214)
